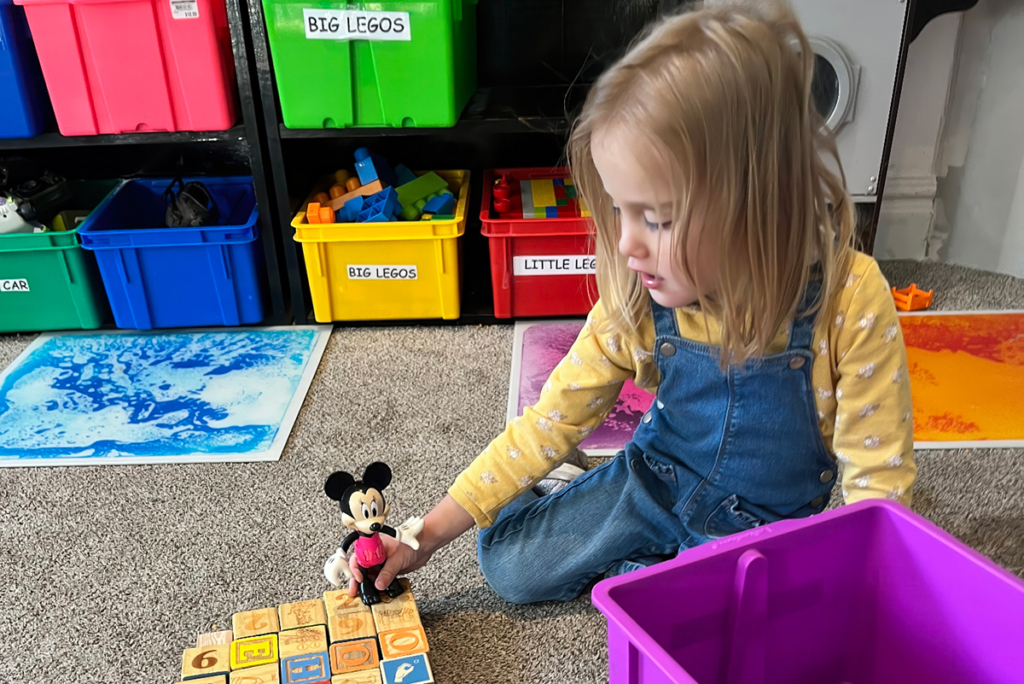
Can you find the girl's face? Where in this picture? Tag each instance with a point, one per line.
(642, 195)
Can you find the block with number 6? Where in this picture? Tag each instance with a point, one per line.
(205, 661)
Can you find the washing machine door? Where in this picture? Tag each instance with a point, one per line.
(834, 88)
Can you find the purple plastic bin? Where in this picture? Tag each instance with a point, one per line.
(870, 593)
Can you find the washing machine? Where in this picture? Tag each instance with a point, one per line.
(857, 51)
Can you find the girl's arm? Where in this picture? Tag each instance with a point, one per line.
(575, 400)
(874, 431)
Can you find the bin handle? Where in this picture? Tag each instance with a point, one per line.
(747, 652)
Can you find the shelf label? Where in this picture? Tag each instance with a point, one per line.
(356, 25)
(382, 273)
(571, 264)
(14, 285)
(184, 9)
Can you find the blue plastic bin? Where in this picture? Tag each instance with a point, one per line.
(159, 277)
(24, 107)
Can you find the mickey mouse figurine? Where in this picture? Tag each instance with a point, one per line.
(363, 509)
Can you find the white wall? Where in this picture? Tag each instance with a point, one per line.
(983, 144)
(908, 211)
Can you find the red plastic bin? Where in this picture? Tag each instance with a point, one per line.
(539, 267)
(119, 66)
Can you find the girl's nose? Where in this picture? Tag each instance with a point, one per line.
(631, 242)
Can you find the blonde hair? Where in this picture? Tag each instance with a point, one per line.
(722, 97)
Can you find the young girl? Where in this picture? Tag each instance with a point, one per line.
(730, 289)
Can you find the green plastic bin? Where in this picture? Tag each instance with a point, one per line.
(47, 281)
(341, 64)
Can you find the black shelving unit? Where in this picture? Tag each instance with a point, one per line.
(238, 150)
(519, 116)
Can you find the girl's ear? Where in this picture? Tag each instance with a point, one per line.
(377, 475)
(337, 483)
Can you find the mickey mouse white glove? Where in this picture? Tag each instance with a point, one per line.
(407, 531)
(336, 569)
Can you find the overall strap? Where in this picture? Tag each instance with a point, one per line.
(801, 330)
(665, 322)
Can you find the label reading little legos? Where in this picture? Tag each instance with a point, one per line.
(571, 264)
(14, 285)
(184, 9)
(382, 273)
(356, 25)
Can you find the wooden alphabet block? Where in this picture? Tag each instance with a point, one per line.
(215, 638)
(339, 602)
(302, 614)
(215, 679)
(351, 625)
(361, 677)
(204, 661)
(252, 651)
(306, 669)
(396, 613)
(261, 674)
(255, 622)
(303, 641)
(414, 669)
(352, 656)
(403, 642)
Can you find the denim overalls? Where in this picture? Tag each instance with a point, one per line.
(718, 453)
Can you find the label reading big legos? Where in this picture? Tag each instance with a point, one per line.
(356, 25)
(358, 272)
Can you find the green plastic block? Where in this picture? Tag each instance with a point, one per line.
(417, 190)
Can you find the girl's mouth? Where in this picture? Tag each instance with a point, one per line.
(650, 280)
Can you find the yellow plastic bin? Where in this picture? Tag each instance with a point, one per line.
(386, 271)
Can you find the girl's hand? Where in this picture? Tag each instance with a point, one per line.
(438, 528)
(402, 559)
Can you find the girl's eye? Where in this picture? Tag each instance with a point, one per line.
(656, 226)
(373, 509)
(366, 512)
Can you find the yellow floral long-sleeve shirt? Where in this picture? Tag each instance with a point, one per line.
(860, 384)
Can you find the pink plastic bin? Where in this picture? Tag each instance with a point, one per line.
(866, 594)
(119, 66)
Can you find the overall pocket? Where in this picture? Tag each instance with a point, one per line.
(730, 518)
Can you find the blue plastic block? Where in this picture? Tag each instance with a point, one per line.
(380, 207)
(371, 167)
(306, 669)
(349, 211)
(549, 212)
(404, 175)
(442, 204)
(414, 669)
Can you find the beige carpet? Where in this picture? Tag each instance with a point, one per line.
(108, 573)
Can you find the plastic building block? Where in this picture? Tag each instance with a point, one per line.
(351, 209)
(912, 298)
(313, 213)
(337, 190)
(341, 176)
(352, 656)
(361, 191)
(261, 674)
(381, 207)
(371, 167)
(440, 204)
(326, 215)
(322, 197)
(402, 642)
(302, 614)
(409, 670)
(352, 184)
(255, 622)
(403, 175)
(306, 669)
(419, 189)
(252, 651)
(204, 661)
